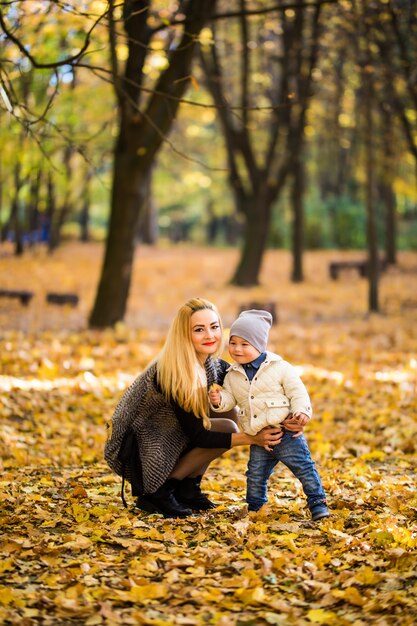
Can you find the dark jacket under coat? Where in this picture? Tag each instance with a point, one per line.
(149, 433)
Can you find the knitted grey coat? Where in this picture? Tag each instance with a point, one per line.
(144, 409)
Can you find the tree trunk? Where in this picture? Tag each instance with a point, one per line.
(15, 212)
(85, 208)
(255, 236)
(298, 221)
(373, 269)
(115, 279)
(50, 213)
(389, 200)
(62, 214)
(18, 241)
(147, 229)
(33, 208)
(386, 190)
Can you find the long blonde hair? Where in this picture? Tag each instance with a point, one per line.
(181, 375)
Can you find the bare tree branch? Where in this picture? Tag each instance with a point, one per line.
(271, 9)
(68, 61)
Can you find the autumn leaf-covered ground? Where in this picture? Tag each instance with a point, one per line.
(71, 554)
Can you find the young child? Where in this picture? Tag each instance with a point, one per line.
(268, 391)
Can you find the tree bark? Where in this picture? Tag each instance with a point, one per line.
(373, 269)
(386, 185)
(298, 221)
(373, 261)
(147, 229)
(62, 213)
(85, 208)
(33, 207)
(255, 236)
(15, 211)
(50, 211)
(387, 196)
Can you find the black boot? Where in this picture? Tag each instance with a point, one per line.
(163, 501)
(188, 492)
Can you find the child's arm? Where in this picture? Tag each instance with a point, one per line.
(295, 390)
(215, 396)
(221, 400)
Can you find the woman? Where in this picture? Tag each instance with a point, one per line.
(162, 436)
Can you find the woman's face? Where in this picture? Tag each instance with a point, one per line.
(206, 333)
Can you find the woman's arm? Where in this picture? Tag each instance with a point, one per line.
(267, 438)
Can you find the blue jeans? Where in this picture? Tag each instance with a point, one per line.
(295, 454)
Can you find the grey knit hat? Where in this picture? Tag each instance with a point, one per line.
(253, 325)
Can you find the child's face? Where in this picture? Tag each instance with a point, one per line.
(241, 350)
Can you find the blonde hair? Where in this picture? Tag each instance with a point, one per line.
(181, 375)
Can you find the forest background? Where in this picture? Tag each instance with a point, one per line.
(229, 150)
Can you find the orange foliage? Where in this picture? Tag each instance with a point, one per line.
(69, 551)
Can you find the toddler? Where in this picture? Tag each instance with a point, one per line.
(268, 392)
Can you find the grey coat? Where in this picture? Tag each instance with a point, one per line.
(160, 439)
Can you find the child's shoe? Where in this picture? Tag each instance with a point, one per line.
(319, 510)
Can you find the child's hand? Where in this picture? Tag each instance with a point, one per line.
(295, 422)
(302, 418)
(215, 395)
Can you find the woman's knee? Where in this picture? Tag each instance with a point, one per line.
(223, 425)
(230, 415)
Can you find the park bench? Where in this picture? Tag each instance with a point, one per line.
(24, 296)
(361, 266)
(62, 298)
(265, 306)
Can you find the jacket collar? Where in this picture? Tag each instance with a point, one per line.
(270, 357)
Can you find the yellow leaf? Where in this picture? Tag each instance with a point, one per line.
(251, 596)
(80, 513)
(374, 455)
(247, 555)
(209, 595)
(351, 594)
(383, 537)
(79, 542)
(367, 576)
(152, 591)
(6, 565)
(322, 558)
(320, 616)
(145, 533)
(100, 511)
(6, 595)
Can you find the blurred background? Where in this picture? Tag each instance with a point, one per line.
(247, 125)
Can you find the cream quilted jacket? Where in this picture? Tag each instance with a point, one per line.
(275, 391)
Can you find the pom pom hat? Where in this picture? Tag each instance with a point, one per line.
(253, 325)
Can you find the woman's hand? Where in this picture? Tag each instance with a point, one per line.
(268, 437)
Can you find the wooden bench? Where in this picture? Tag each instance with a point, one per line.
(264, 306)
(361, 266)
(62, 298)
(24, 296)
